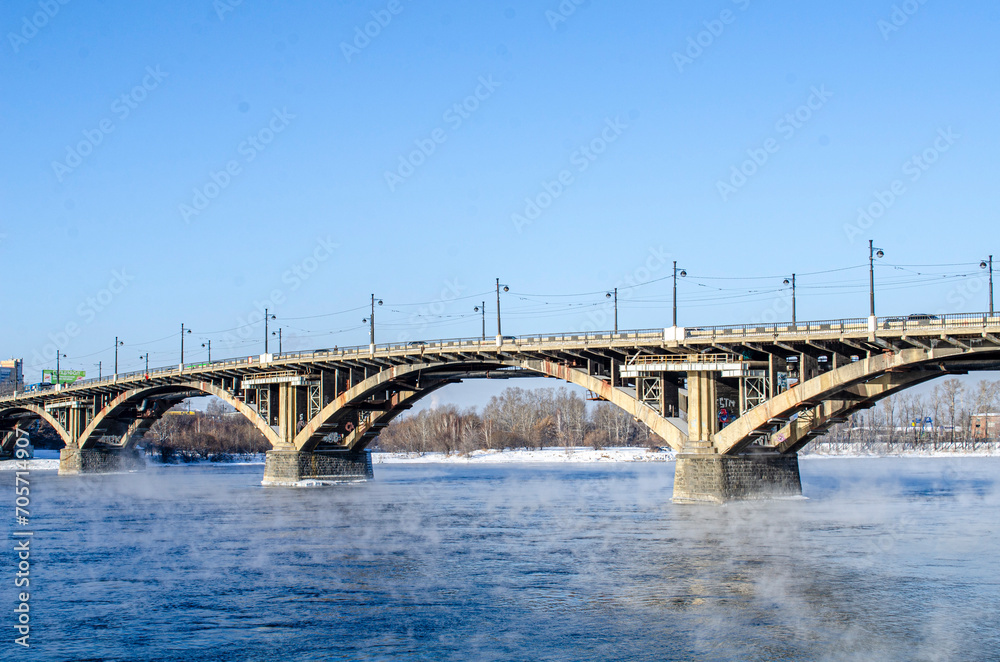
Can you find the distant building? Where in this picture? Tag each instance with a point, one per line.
(11, 374)
(986, 426)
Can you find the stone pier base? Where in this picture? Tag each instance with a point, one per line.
(704, 478)
(74, 461)
(300, 468)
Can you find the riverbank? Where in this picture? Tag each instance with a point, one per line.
(572, 455)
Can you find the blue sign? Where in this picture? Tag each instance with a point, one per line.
(928, 420)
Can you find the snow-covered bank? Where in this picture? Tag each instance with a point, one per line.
(576, 455)
(35, 464)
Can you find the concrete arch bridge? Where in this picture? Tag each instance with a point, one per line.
(735, 402)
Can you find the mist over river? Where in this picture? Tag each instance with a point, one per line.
(887, 559)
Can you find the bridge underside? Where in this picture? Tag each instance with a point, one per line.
(736, 416)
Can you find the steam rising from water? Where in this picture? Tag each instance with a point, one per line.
(889, 559)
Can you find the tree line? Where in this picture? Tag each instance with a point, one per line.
(903, 418)
(517, 418)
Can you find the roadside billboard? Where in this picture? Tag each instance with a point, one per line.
(65, 376)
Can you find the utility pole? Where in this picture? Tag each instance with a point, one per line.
(99, 374)
(209, 345)
(371, 322)
(505, 289)
(792, 283)
(873, 253)
(118, 343)
(989, 264)
(682, 275)
(182, 344)
(266, 318)
(609, 295)
(145, 356)
(481, 309)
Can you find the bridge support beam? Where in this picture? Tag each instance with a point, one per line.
(301, 468)
(716, 479)
(73, 461)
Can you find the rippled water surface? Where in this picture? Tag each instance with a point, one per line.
(888, 559)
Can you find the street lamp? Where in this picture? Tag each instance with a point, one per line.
(183, 331)
(266, 318)
(145, 356)
(988, 264)
(118, 343)
(608, 295)
(209, 345)
(873, 252)
(58, 354)
(505, 289)
(482, 309)
(371, 321)
(278, 333)
(792, 283)
(682, 274)
(99, 374)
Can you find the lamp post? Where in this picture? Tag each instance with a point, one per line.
(482, 309)
(208, 344)
(118, 343)
(183, 331)
(266, 318)
(615, 295)
(505, 289)
(873, 252)
(99, 374)
(682, 274)
(278, 333)
(371, 322)
(145, 356)
(792, 283)
(58, 354)
(988, 264)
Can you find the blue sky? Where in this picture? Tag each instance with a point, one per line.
(623, 123)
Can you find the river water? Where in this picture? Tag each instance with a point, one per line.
(888, 559)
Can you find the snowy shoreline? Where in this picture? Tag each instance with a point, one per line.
(48, 460)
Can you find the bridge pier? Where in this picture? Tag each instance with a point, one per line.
(73, 461)
(291, 467)
(708, 478)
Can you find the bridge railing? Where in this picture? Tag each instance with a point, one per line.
(915, 322)
(850, 325)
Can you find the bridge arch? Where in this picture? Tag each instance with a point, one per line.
(404, 381)
(124, 402)
(41, 413)
(833, 395)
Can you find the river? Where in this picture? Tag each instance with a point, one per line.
(887, 559)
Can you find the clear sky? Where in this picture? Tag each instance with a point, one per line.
(194, 161)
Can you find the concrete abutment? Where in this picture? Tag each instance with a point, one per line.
(290, 468)
(715, 479)
(74, 461)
